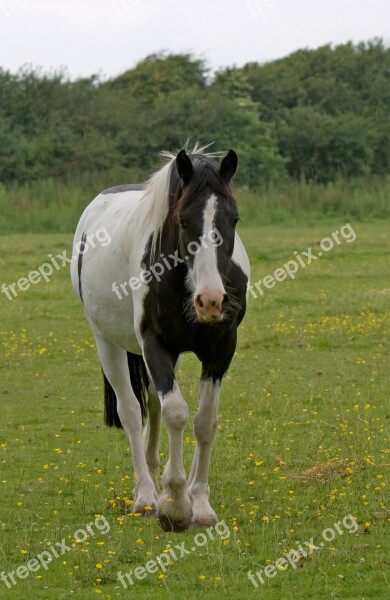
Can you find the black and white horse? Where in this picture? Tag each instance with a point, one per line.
(173, 279)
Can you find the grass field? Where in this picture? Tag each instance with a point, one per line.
(303, 441)
(53, 205)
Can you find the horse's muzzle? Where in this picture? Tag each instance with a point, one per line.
(208, 307)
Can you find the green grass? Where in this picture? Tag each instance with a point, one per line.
(55, 206)
(303, 435)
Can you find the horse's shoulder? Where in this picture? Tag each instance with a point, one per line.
(240, 256)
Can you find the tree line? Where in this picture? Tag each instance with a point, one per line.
(316, 115)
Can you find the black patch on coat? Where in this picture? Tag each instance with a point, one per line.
(166, 328)
(129, 187)
(80, 262)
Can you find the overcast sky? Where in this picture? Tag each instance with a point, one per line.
(110, 36)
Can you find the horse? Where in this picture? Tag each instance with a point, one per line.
(173, 279)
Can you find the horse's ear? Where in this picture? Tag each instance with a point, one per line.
(228, 166)
(184, 167)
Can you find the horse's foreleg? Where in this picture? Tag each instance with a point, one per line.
(174, 505)
(214, 366)
(205, 425)
(152, 434)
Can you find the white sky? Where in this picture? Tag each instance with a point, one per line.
(110, 36)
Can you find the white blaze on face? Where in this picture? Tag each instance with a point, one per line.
(206, 280)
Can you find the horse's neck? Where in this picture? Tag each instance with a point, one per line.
(166, 244)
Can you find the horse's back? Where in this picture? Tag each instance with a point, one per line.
(112, 217)
(106, 205)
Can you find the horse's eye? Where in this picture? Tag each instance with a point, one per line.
(235, 220)
(182, 223)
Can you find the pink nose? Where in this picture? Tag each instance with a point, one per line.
(208, 306)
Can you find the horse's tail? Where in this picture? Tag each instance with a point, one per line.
(139, 380)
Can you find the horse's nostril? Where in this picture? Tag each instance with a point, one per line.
(198, 301)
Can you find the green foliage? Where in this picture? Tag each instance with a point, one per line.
(317, 116)
(161, 74)
(330, 108)
(320, 147)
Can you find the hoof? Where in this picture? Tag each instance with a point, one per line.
(146, 511)
(174, 515)
(168, 524)
(145, 508)
(204, 521)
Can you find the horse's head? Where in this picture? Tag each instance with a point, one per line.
(206, 215)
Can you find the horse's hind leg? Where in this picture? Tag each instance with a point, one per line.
(152, 434)
(115, 367)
